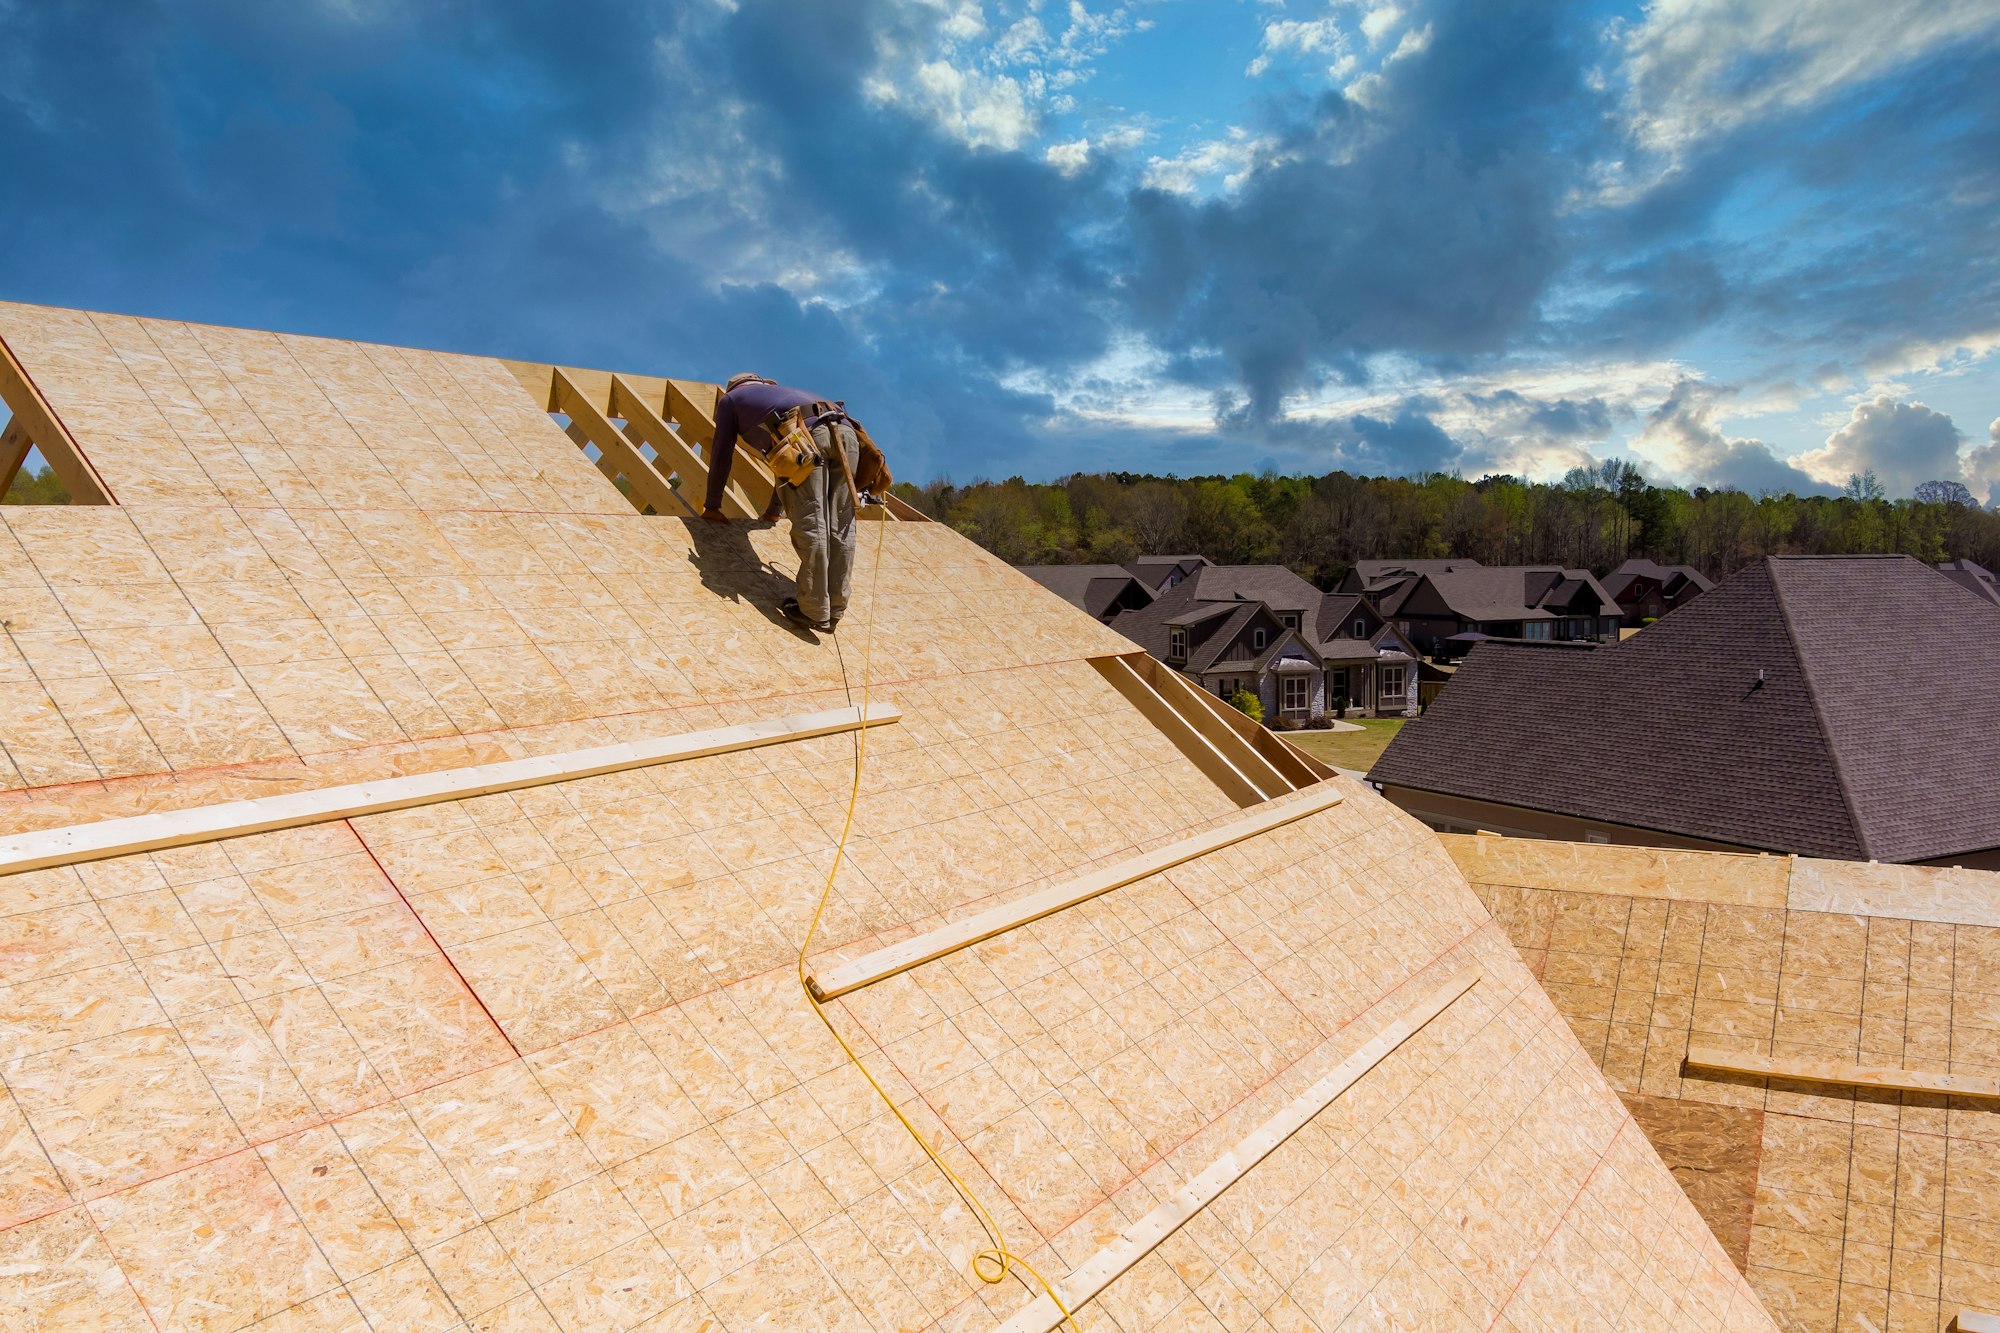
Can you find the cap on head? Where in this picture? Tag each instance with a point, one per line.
(742, 377)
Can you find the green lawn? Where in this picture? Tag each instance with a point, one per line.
(1357, 750)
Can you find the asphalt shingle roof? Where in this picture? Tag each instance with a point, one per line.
(1621, 578)
(1975, 579)
(1507, 592)
(1875, 733)
(1089, 588)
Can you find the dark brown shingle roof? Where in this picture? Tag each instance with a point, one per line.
(1089, 588)
(1874, 735)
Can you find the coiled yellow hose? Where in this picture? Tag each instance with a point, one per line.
(996, 1261)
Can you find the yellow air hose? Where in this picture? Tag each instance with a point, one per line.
(995, 1262)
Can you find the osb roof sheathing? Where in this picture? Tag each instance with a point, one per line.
(1849, 1208)
(539, 1060)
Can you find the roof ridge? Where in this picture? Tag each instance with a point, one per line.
(1833, 754)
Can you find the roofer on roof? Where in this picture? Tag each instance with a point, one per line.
(797, 432)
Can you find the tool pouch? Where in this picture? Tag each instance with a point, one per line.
(793, 455)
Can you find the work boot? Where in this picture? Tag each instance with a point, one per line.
(789, 609)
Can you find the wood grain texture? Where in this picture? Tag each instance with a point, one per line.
(648, 486)
(180, 828)
(1147, 1234)
(1885, 1077)
(45, 428)
(1221, 766)
(934, 944)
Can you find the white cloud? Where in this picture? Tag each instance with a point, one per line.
(988, 89)
(1301, 36)
(1982, 467)
(1902, 443)
(984, 110)
(1068, 158)
(1232, 157)
(1695, 69)
(1377, 23)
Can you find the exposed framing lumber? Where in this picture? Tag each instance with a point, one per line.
(234, 819)
(603, 461)
(947, 939)
(1218, 765)
(1192, 704)
(1879, 1078)
(649, 488)
(1144, 1236)
(1297, 766)
(33, 415)
(14, 447)
(688, 405)
(627, 401)
(691, 405)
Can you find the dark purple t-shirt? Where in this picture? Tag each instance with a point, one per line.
(740, 414)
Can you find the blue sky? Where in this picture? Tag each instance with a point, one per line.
(1742, 243)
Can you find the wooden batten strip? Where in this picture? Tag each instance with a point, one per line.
(1219, 767)
(933, 944)
(1975, 1321)
(33, 415)
(649, 488)
(1884, 1078)
(1146, 1235)
(233, 819)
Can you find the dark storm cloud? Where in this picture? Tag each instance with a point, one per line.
(1428, 224)
(659, 185)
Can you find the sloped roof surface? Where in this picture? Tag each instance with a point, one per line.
(1974, 578)
(538, 1059)
(1636, 568)
(1509, 592)
(1876, 718)
(1374, 571)
(1090, 588)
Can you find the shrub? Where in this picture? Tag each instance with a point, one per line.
(1247, 704)
(1285, 724)
(1320, 723)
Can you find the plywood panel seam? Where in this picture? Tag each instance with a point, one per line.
(425, 926)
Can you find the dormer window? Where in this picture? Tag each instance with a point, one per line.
(1289, 619)
(1257, 639)
(1177, 644)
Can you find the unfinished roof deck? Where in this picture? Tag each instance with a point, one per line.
(537, 1057)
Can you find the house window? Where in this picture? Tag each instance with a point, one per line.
(1177, 644)
(1289, 619)
(1257, 639)
(1392, 682)
(1298, 693)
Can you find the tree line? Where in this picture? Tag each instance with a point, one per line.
(1593, 518)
